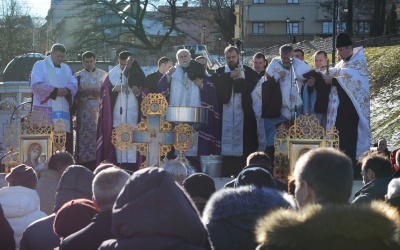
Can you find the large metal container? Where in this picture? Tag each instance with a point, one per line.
(197, 117)
(211, 165)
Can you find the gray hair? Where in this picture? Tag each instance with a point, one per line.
(176, 168)
(285, 49)
(107, 185)
(393, 188)
(180, 51)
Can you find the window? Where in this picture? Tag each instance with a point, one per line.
(258, 28)
(292, 1)
(129, 39)
(327, 27)
(258, 1)
(292, 28)
(363, 27)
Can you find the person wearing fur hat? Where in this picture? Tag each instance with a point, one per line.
(331, 227)
(231, 213)
(75, 183)
(349, 100)
(20, 200)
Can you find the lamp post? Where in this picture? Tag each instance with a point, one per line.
(242, 53)
(219, 48)
(204, 34)
(288, 27)
(302, 28)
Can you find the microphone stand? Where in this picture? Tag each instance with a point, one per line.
(78, 119)
(15, 109)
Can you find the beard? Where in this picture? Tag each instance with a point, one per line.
(184, 64)
(233, 65)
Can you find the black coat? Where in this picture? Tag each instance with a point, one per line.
(7, 241)
(153, 212)
(92, 235)
(374, 190)
(224, 85)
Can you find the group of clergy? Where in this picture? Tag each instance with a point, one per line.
(244, 104)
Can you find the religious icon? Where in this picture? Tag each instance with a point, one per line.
(32, 150)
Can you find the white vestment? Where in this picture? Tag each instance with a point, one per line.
(353, 77)
(291, 84)
(46, 77)
(130, 111)
(233, 123)
(256, 96)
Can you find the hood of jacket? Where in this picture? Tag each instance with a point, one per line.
(18, 201)
(231, 202)
(331, 226)
(75, 183)
(152, 205)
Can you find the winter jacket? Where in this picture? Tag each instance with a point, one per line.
(231, 214)
(7, 241)
(373, 190)
(21, 208)
(75, 183)
(331, 227)
(47, 187)
(153, 212)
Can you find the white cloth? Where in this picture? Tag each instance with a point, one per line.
(291, 84)
(44, 74)
(233, 122)
(184, 92)
(256, 96)
(21, 208)
(130, 111)
(353, 78)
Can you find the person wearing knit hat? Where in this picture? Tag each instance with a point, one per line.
(349, 100)
(199, 187)
(22, 175)
(343, 40)
(256, 176)
(20, 201)
(73, 216)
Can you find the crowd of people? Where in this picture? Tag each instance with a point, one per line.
(167, 208)
(98, 199)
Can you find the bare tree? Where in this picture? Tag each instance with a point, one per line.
(16, 30)
(114, 19)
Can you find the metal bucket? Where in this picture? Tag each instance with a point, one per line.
(211, 165)
(195, 116)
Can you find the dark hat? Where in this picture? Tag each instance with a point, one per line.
(199, 185)
(22, 175)
(343, 40)
(73, 216)
(195, 70)
(256, 176)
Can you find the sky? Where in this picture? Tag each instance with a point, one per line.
(38, 7)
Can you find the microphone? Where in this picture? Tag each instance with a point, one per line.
(12, 114)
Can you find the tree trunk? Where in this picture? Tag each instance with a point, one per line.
(349, 19)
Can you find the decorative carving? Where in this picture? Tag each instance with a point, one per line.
(59, 136)
(185, 137)
(36, 123)
(154, 104)
(122, 136)
(290, 144)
